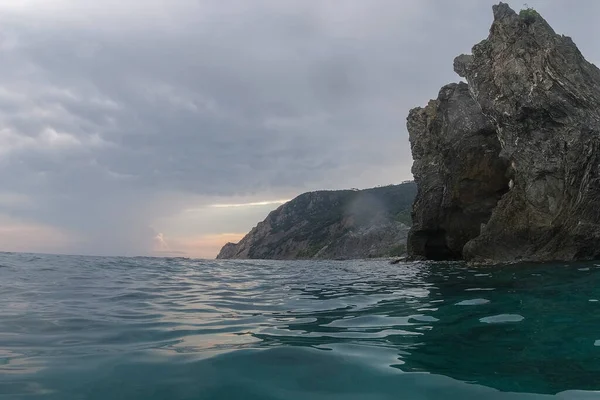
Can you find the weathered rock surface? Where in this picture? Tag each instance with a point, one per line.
(543, 99)
(343, 224)
(459, 173)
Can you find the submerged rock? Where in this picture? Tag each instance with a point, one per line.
(543, 99)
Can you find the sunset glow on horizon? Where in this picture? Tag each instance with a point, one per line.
(204, 246)
(253, 204)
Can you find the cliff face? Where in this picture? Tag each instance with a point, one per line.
(341, 224)
(459, 173)
(543, 99)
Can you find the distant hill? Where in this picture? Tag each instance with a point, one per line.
(332, 224)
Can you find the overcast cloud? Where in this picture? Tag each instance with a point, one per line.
(122, 122)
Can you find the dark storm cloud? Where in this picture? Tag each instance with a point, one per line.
(106, 111)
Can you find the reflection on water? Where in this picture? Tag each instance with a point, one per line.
(84, 327)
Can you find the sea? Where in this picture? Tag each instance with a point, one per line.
(74, 327)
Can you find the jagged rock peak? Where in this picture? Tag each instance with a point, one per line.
(502, 11)
(526, 29)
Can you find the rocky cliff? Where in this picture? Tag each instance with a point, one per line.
(342, 224)
(543, 101)
(459, 173)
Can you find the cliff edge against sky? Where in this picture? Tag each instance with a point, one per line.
(336, 224)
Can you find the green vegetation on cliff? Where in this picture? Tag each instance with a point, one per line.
(529, 14)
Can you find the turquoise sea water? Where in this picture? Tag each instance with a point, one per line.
(145, 328)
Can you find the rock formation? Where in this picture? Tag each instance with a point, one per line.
(543, 99)
(342, 224)
(459, 173)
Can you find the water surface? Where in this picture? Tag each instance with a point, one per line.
(145, 328)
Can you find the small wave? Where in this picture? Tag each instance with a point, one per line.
(502, 318)
(473, 302)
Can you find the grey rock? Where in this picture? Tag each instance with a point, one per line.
(543, 99)
(459, 173)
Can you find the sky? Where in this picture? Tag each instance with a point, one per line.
(169, 127)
